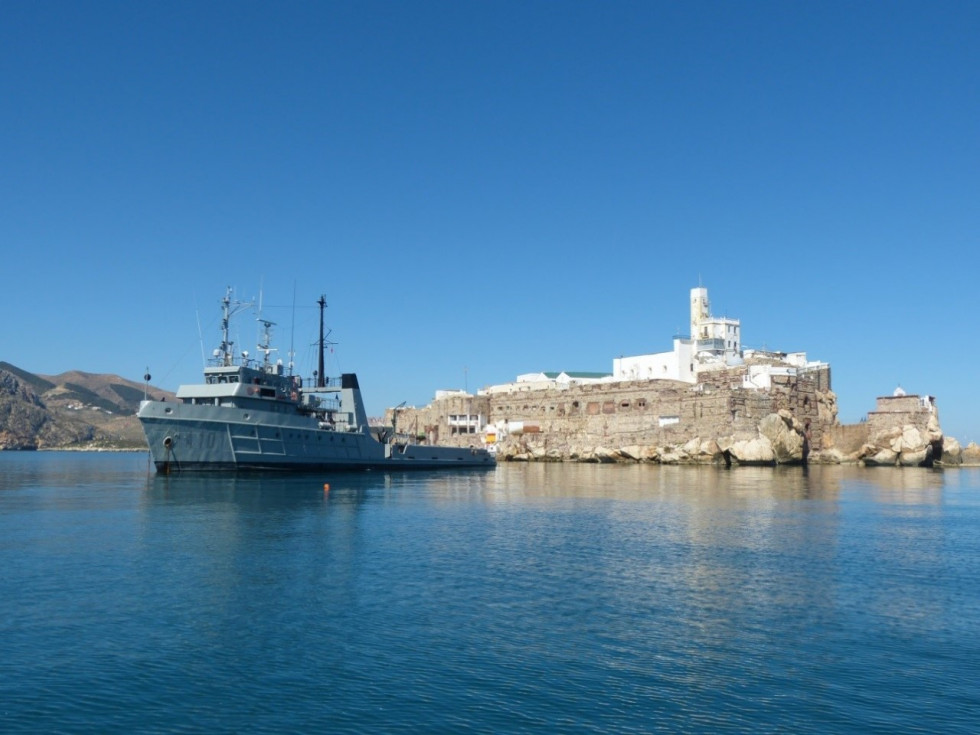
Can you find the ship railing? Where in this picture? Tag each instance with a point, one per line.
(331, 384)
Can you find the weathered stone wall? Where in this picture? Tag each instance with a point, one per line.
(640, 419)
(714, 420)
(898, 404)
(892, 411)
(903, 430)
(654, 418)
(847, 438)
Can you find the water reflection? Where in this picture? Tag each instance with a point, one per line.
(605, 597)
(646, 482)
(741, 487)
(66, 470)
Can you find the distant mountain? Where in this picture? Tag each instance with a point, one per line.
(73, 410)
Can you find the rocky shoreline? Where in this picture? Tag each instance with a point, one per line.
(701, 454)
(781, 439)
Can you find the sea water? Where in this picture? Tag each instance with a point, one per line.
(535, 598)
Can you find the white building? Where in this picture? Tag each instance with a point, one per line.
(717, 336)
(714, 342)
(678, 364)
(759, 374)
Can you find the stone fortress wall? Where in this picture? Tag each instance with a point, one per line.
(642, 420)
(715, 421)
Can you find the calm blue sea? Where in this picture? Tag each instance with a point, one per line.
(528, 599)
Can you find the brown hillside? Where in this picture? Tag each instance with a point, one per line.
(75, 409)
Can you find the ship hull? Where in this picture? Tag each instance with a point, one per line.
(216, 439)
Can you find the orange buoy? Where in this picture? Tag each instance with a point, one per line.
(326, 487)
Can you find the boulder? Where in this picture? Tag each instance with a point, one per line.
(605, 455)
(915, 458)
(882, 458)
(826, 408)
(952, 451)
(790, 420)
(828, 456)
(890, 437)
(673, 455)
(555, 455)
(710, 452)
(971, 454)
(758, 451)
(784, 437)
(910, 441)
(633, 452)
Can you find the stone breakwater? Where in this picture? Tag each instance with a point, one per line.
(715, 421)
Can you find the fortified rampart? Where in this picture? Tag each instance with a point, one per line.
(904, 410)
(572, 422)
(847, 438)
(716, 420)
(904, 430)
(652, 420)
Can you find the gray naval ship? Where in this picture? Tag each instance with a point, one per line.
(250, 415)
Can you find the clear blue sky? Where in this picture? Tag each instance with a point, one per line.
(483, 189)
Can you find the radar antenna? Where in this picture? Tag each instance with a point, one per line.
(228, 309)
(266, 344)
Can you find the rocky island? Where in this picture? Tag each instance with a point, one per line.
(707, 401)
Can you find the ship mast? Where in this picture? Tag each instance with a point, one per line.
(266, 344)
(227, 358)
(320, 379)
